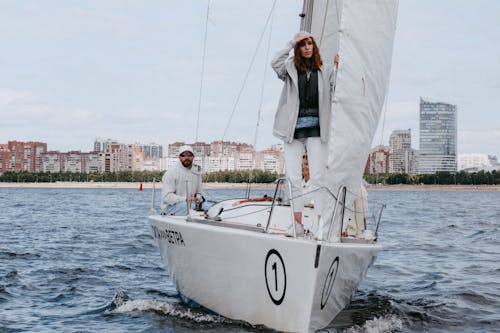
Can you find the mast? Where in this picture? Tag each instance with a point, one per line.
(306, 15)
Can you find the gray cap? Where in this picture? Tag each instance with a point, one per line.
(186, 148)
(301, 35)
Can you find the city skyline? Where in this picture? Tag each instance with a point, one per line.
(115, 69)
(398, 157)
(113, 156)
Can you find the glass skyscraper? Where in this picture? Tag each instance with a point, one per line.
(438, 137)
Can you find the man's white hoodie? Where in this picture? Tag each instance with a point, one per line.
(180, 183)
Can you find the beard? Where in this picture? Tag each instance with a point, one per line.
(187, 163)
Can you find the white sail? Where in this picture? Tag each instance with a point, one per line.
(362, 33)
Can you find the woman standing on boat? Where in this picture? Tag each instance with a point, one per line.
(302, 119)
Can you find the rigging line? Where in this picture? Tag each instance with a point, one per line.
(383, 119)
(244, 214)
(259, 114)
(263, 81)
(339, 16)
(202, 70)
(324, 23)
(248, 71)
(337, 11)
(386, 101)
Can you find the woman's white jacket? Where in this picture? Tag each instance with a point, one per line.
(288, 107)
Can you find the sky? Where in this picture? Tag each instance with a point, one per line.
(73, 71)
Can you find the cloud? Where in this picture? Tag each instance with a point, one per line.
(8, 96)
(480, 134)
(479, 141)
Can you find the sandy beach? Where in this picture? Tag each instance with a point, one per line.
(210, 186)
(127, 185)
(452, 188)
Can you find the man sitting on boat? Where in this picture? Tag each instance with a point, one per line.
(182, 184)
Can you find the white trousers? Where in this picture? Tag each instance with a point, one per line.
(316, 155)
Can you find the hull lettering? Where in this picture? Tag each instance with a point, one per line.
(171, 236)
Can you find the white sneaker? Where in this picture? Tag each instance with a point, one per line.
(299, 230)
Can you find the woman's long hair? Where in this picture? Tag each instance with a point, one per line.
(314, 63)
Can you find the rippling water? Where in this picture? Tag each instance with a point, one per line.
(84, 260)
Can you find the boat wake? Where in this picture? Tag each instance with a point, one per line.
(169, 309)
(351, 321)
(122, 303)
(383, 324)
(197, 316)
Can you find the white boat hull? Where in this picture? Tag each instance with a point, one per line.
(288, 284)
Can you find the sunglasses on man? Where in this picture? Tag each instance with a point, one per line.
(186, 155)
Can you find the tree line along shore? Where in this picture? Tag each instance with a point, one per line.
(243, 177)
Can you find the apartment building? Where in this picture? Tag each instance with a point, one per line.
(225, 155)
(378, 160)
(17, 156)
(401, 155)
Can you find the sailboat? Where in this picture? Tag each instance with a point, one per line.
(236, 260)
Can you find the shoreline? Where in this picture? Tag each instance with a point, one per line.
(226, 186)
(443, 188)
(131, 185)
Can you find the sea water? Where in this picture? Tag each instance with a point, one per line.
(84, 260)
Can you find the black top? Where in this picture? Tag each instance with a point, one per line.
(308, 96)
(308, 90)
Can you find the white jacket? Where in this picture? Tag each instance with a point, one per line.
(180, 183)
(288, 107)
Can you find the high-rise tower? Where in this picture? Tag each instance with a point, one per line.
(438, 137)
